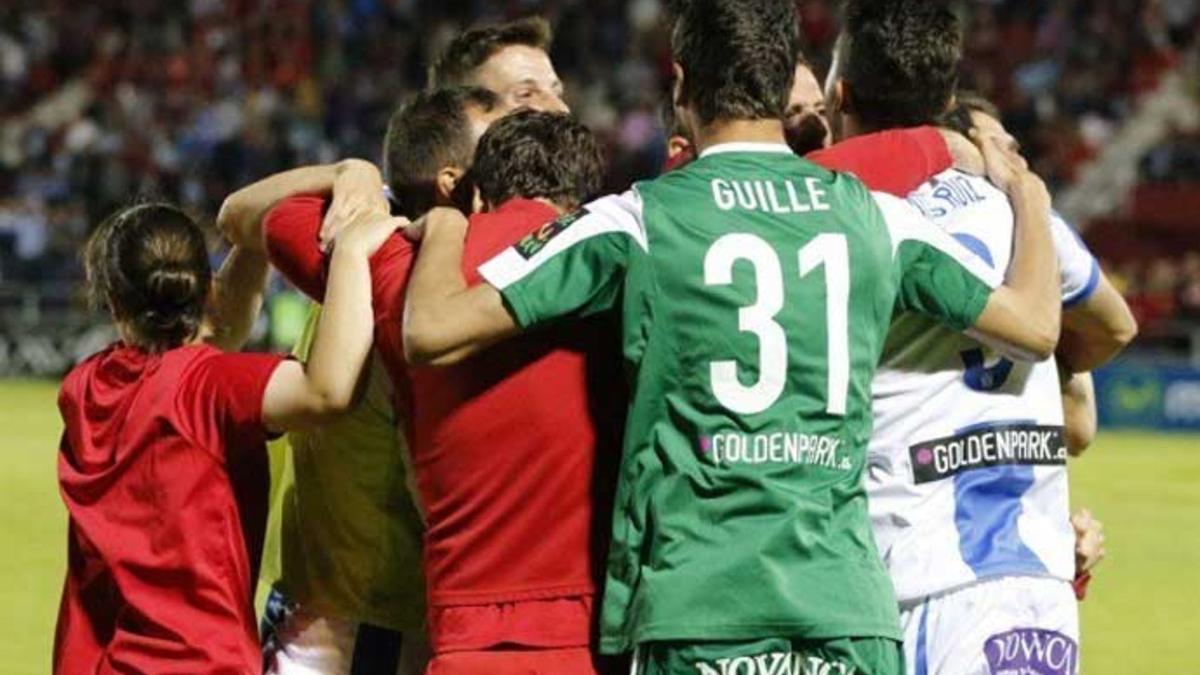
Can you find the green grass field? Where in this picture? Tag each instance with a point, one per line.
(1142, 616)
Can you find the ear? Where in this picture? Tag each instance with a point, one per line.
(447, 180)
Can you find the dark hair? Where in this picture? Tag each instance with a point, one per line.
(457, 62)
(738, 57)
(536, 154)
(149, 262)
(427, 134)
(958, 118)
(900, 60)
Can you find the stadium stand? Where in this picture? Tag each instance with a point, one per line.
(104, 100)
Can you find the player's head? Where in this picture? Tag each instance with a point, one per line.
(430, 143)
(538, 155)
(806, 125)
(511, 59)
(734, 59)
(972, 111)
(149, 265)
(895, 65)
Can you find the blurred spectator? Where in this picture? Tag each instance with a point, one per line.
(106, 100)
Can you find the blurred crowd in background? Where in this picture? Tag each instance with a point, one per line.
(106, 100)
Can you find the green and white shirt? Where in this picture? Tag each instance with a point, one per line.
(755, 290)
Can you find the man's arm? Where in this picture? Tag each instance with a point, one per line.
(1096, 329)
(356, 185)
(572, 266)
(444, 320)
(1079, 412)
(1025, 312)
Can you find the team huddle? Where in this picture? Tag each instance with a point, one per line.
(800, 405)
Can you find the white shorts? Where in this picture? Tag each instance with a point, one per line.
(296, 642)
(1002, 626)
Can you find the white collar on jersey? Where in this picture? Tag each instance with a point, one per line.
(746, 146)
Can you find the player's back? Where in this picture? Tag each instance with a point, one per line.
(515, 453)
(753, 320)
(162, 467)
(967, 471)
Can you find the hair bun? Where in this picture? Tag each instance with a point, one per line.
(172, 287)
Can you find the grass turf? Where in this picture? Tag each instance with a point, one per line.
(1141, 617)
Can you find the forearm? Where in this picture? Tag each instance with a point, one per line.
(345, 330)
(1096, 330)
(1033, 277)
(242, 213)
(237, 298)
(437, 277)
(1079, 412)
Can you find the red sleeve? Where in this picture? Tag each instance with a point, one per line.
(897, 161)
(223, 397)
(292, 230)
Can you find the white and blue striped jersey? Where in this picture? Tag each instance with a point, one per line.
(967, 464)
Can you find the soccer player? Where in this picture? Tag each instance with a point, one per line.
(343, 601)
(754, 289)
(805, 123)
(493, 477)
(341, 561)
(512, 60)
(162, 464)
(966, 478)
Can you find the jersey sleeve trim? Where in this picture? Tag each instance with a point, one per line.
(905, 223)
(1088, 289)
(615, 214)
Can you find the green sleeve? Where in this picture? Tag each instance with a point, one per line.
(937, 284)
(937, 276)
(573, 266)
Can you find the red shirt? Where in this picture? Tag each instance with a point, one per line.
(163, 469)
(896, 161)
(514, 451)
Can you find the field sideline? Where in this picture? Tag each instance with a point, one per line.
(1143, 615)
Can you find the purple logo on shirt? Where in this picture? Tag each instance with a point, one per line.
(1031, 651)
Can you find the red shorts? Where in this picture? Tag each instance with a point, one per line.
(566, 661)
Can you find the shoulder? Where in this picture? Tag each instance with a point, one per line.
(299, 207)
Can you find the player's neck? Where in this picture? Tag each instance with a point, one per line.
(739, 131)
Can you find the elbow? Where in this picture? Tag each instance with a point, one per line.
(1079, 437)
(1125, 333)
(1041, 338)
(422, 350)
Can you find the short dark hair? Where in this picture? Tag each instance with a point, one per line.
(427, 134)
(457, 62)
(900, 60)
(738, 57)
(535, 154)
(958, 117)
(149, 263)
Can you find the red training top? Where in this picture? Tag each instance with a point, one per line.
(514, 451)
(163, 469)
(896, 161)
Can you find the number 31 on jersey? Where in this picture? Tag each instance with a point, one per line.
(827, 250)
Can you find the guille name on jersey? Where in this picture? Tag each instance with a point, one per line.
(767, 196)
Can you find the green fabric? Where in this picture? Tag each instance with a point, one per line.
(344, 537)
(741, 511)
(773, 656)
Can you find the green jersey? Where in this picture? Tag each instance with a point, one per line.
(755, 290)
(345, 536)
